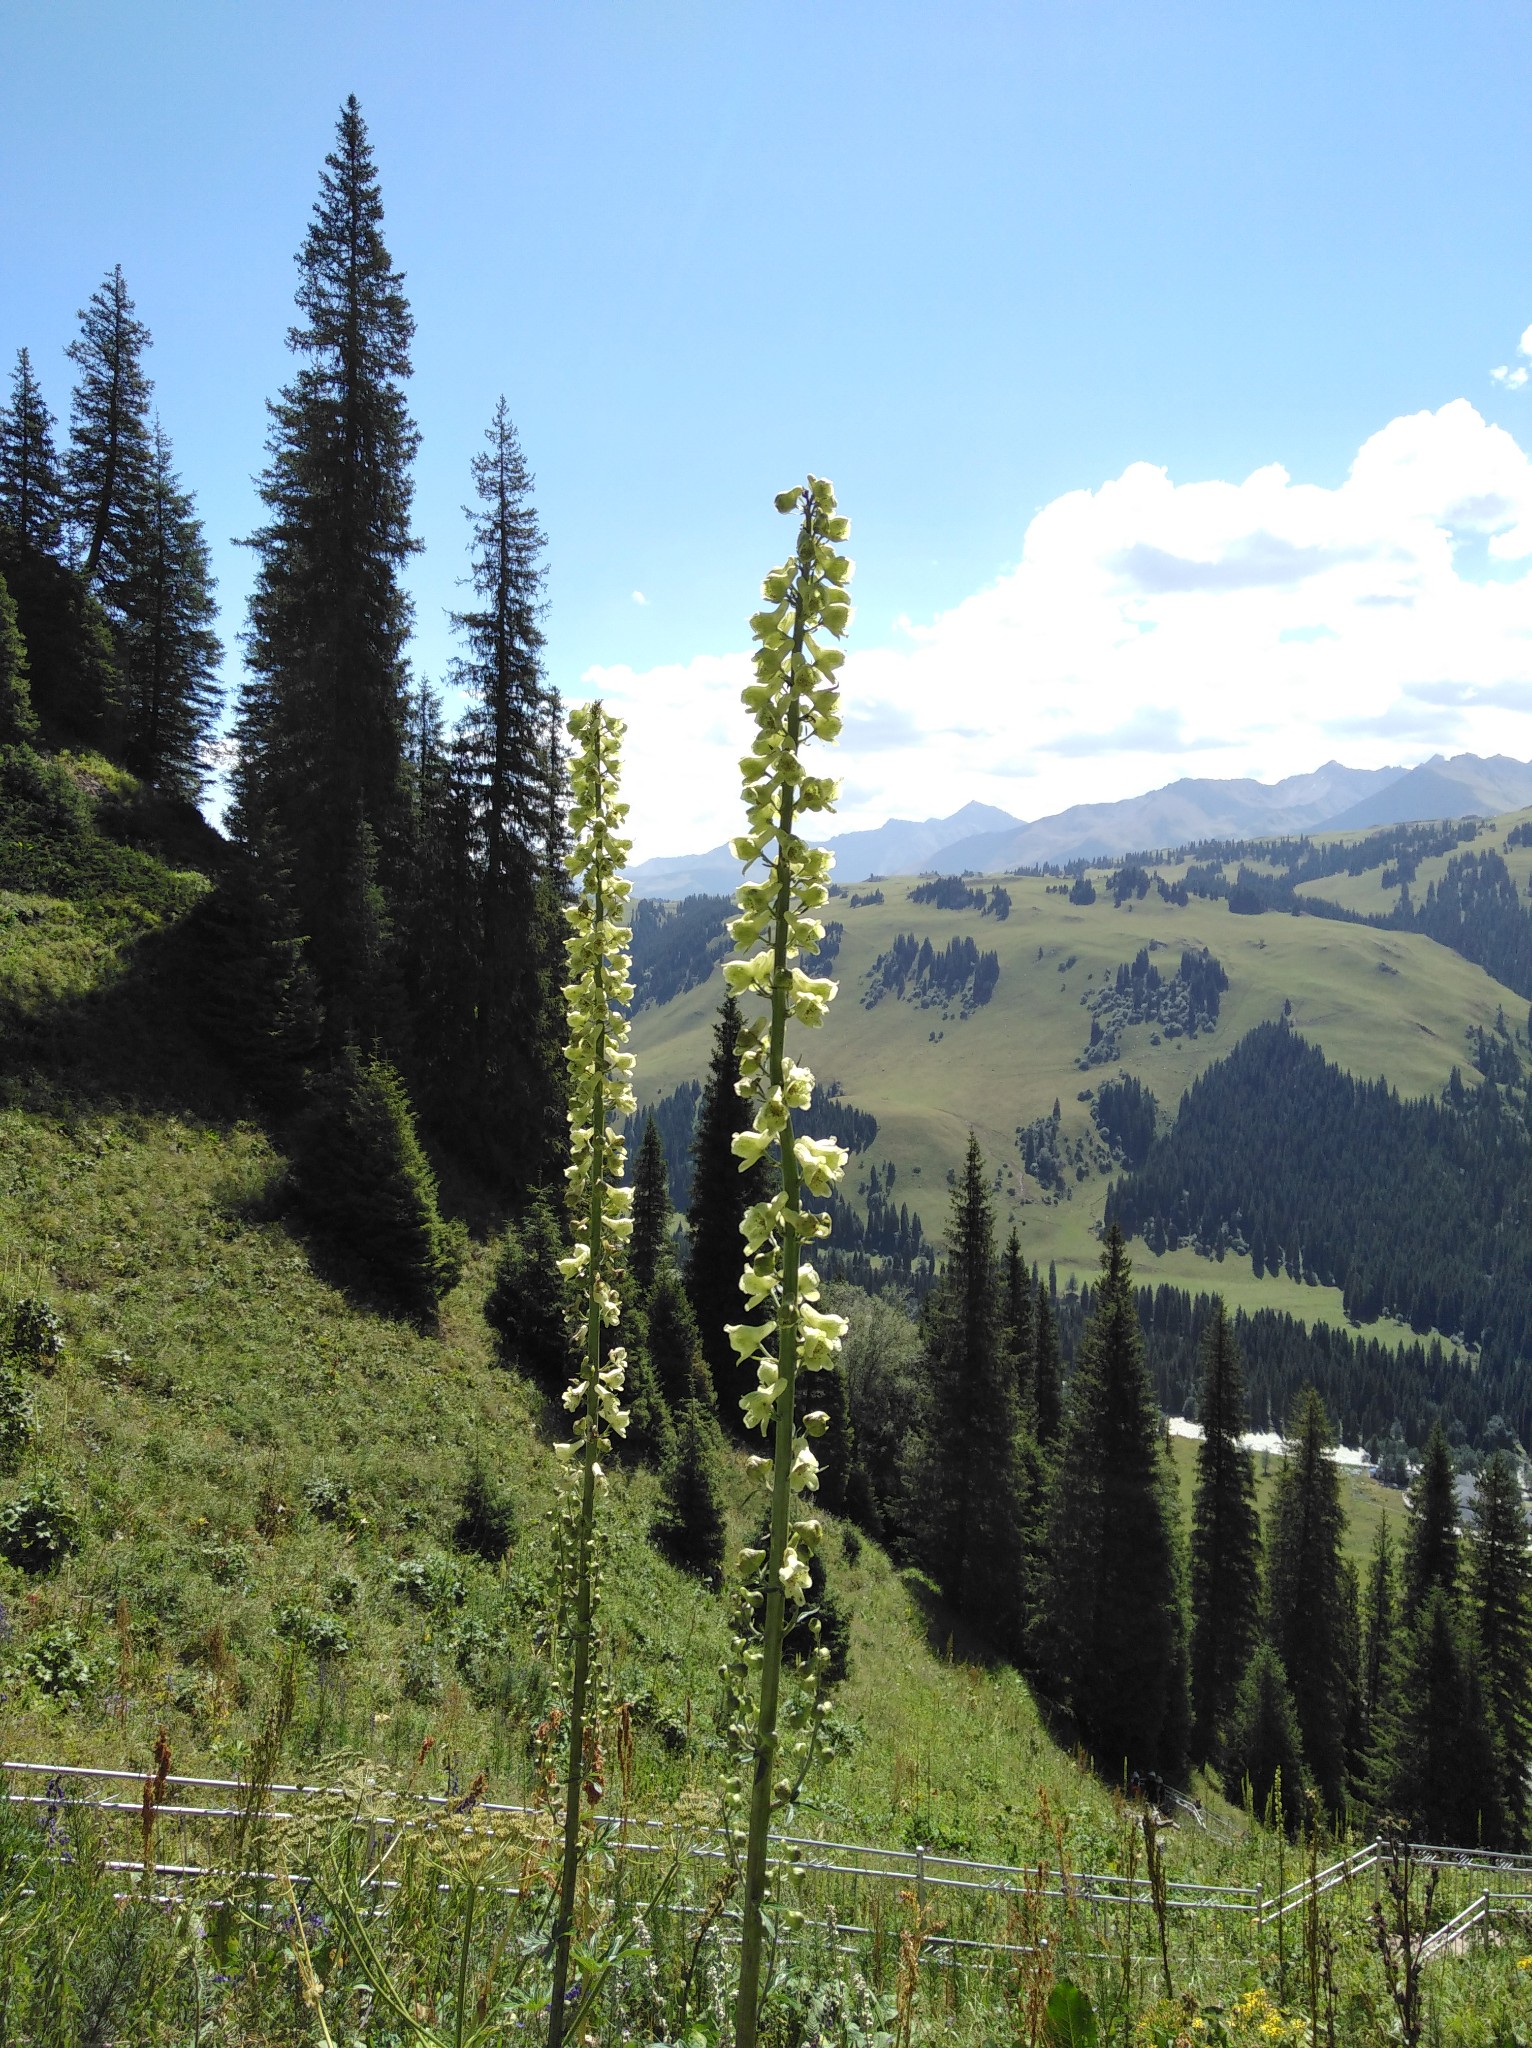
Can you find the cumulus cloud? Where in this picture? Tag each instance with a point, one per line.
(1261, 626)
(1513, 379)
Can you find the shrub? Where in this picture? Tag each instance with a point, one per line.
(435, 1583)
(38, 1528)
(16, 1420)
(331, 1500)
(363, 1179)
(52, 1661)
(320, 1635)
(420, 1675)
(226, 1562)
(36, 1335)
(486, 1525)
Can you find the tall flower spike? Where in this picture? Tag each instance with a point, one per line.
(600, 1096)
(793, 699)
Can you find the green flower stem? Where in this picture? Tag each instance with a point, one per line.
(599, 1086)
(792, 699)
(574, 1776)
(775, 1620)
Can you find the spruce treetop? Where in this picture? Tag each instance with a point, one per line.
(31, 494)
(108, 428)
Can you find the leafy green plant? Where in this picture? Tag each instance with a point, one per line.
(53, 1661)
(321, 1636)
(36, 1334)
(17, 1420)
(793, 699)
(600, 1097)
(435, 1583)
(38, 1528)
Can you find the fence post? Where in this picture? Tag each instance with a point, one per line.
(920, 1873)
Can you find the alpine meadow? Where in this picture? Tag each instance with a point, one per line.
(589, 1456)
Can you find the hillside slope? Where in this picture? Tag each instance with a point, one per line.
(261, 1470)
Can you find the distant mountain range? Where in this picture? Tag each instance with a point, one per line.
(1333, 798)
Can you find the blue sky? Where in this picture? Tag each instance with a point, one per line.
(1046, 289)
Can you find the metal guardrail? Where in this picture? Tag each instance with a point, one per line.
(920, 1871)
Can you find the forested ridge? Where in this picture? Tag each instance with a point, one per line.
(1415, 1208)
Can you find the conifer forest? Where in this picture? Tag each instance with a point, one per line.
(569, 1525)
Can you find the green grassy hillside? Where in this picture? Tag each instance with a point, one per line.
(262, 1469)
(1378, 1003)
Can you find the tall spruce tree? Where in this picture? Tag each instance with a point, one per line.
(1265, 1751)
(169, 652)
(673, 1342)
(322, 715)
(1500, 1595)
(1306, 1606)
(968, 1496)
(109, 442)
(650, 1241)
(1115, 1643)
(721, 1193)
(31, 492)
(1431, 1543)
(1016, 1327)
(510, 1096)
(1226, 1541)
(1047, 1368)
(18, 721)
(1437, 1769)
(691, 1527)
(1379, 1614)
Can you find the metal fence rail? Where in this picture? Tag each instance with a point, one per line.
(193, 1811)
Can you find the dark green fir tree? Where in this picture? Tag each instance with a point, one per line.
(1265, 1751)
(650, 1242)
(1500, 1596)
(691, 1528)
(527, 1299)
(1306, 1603)
(674, 1344)
(109, 439)
(31, 491)
(967, 1496)
(363, 1181)
(720, 1196)
(18, 721)
(508, 1103)
(1016, 1327)
(1436, 1767)
(1431, 1543)
(323, 711)
(1226, 1541)
(1115, 1631)
(1379, 1618)
(170, 654)
(1047, 1370)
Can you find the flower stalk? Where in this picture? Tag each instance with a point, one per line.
(793, 699)
(600, 1096)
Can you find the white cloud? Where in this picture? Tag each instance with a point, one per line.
(639, 597)
(1152, 629)
(1513, 380)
